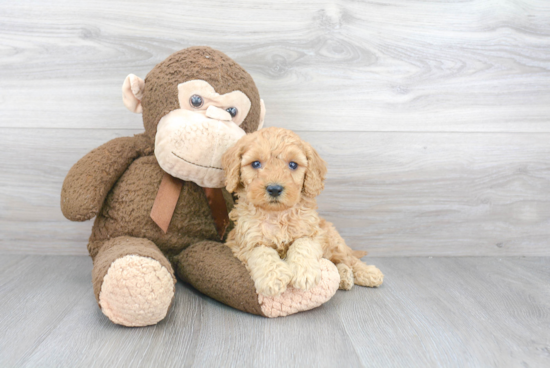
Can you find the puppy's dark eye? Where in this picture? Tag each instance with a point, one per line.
(232, 111)
(256, 164)
(196, 101)
(293, 165)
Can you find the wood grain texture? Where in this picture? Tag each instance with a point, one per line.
(389, 65)
(445, 312)
(388, 193)
(433, 116)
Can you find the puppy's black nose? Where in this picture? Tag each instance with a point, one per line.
(274, 190)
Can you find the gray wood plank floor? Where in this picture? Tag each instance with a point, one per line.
(449, 312)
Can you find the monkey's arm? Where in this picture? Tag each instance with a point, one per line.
(92, 177)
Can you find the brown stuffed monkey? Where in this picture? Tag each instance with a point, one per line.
(156, 197)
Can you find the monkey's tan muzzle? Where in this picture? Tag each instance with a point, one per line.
(190, 146)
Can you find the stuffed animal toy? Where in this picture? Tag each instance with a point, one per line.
(157, 200)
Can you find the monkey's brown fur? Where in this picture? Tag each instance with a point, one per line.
(225, 75)
(118, 181)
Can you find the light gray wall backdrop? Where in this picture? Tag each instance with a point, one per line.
(434, 117)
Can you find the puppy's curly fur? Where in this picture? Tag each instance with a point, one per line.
(278, 234)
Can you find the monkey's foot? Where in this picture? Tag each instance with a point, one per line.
(136, 291)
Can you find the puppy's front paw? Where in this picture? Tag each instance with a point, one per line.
(367, 275)
(275, 281)
(305, 276)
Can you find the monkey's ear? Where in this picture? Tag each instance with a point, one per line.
(132, 92)
(262, 114)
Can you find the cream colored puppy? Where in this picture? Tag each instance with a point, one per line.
(278, 234)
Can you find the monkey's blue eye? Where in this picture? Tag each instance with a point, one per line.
(293, 165)
(232, 111)
(256, 164)
(196, 101)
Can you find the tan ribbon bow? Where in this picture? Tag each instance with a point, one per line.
(167, 198)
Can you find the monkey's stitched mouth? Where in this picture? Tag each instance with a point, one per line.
(192, 163)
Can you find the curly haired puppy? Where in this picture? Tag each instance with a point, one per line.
(278, 234)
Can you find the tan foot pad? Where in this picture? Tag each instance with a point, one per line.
(136, 291)
(297, 300)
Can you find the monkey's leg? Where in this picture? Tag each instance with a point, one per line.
(212, 269)
(133, 281)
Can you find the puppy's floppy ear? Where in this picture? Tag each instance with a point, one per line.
(231, 163)
(314, 180)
